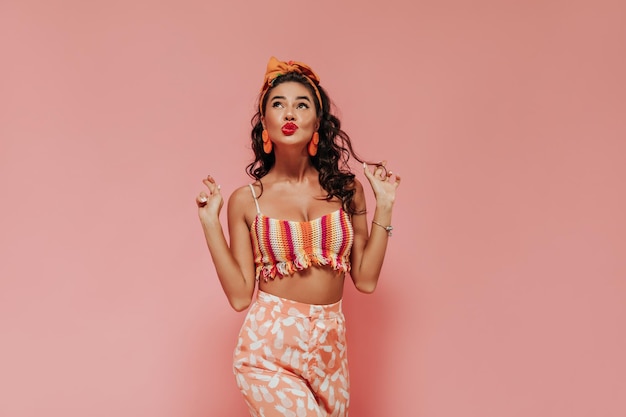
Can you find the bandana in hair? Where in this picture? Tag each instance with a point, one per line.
(276, 68)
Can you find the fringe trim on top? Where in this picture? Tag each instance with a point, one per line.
(302, 262)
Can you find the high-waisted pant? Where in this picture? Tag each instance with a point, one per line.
(291, 359)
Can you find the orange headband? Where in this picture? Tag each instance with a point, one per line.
(276, 68)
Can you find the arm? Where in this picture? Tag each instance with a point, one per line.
(368, 250)
(235, 264)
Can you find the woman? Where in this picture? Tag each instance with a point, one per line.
(296, 231)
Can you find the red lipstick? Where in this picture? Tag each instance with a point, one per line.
(289, 128)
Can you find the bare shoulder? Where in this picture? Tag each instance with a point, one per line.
(358, 186)
(241, 203)
(359, 196)
(359, 193)
(240, 198)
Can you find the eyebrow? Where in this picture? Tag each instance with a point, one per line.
(297, 98)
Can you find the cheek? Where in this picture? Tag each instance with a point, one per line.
(310, 123)
(272, 120)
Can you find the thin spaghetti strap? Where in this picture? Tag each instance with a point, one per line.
(258, 210)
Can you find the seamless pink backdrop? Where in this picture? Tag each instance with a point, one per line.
(503, 292)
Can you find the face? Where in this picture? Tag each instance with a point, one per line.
(290, 117)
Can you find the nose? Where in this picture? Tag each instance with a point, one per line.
(289, 114)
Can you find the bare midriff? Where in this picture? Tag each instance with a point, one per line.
(314, 285)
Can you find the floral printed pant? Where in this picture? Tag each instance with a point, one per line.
(291, 359)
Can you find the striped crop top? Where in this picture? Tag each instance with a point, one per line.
(282, 247)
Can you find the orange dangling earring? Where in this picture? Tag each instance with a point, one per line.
(313, 144)
(267, 143)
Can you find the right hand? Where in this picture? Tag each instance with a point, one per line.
(209, 203)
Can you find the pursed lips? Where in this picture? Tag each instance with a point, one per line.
(289, 128)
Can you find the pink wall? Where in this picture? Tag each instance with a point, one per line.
(504, 291)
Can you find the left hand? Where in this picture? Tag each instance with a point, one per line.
(384, 183)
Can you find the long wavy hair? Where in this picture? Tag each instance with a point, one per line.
(333, 152)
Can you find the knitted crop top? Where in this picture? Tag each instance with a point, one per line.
(282, 247)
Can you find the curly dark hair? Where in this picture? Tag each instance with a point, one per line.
(333, 152)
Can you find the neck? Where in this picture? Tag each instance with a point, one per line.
(292, 167)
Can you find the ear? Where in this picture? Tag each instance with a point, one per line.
(263, 121)
(317, 125)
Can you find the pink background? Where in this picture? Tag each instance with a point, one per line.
(504, 289)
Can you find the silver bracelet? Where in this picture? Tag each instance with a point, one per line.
(388, 229)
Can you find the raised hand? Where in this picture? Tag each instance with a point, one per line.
(209, 203)
(384, 183)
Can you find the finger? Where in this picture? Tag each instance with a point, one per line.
(366, 170)
(378, 171)
(382, 166)
(397, 182)
(202, 199)
(208, 184)
(371, 175)
(209, 180)
(211, 185)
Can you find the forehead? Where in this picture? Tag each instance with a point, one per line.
(290, 89)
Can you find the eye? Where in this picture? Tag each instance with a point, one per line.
(302, 106)
(276, 104)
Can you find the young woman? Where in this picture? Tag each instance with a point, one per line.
(295, 232)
